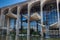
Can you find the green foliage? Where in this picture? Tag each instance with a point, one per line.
(34, 32)
(13, 32)
(23, 31)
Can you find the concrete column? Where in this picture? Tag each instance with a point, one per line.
(1, 18)
(7, 37)
(9, 10)
(28, 27)
(8, 26)
(1, 22)
(58, 10)
(17, 22)
(41, 12)
(58, 15)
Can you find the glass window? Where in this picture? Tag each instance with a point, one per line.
(12, 23)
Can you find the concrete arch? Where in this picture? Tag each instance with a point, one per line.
(14, 10)
(33, 2)
(35, 5)
(5, 11)
(24, 8)
(48, 3)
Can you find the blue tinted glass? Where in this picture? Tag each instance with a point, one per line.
(12, 22)
(50, 17)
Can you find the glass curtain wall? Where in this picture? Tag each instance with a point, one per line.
(51, 18)
(12, 26)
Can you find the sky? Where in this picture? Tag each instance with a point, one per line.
(4, 3)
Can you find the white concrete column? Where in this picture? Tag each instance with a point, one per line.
(58, 10)
(28, 27)
(8, 26)
(2, 18)
(41, 12)
(1, 23)
(8, 32)
(58, 15)
(8, 23)
(9, 10)
(17, 22)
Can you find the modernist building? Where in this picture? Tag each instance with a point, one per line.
(40, 15)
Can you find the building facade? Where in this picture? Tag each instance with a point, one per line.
(41, 16)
